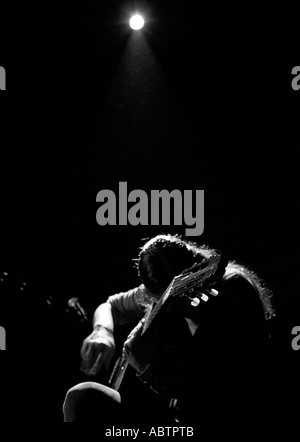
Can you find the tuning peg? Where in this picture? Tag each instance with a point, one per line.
(211, 292)
(201, 295)
(214, 292)
(195, 302)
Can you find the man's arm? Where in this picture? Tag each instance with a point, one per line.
(99, 347)
(104, 317)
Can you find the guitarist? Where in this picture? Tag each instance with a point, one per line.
(212, 356)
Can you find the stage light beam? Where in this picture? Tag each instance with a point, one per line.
(136, 22)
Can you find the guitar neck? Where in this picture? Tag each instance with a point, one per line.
(191, 278)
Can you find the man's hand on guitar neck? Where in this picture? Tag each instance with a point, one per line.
(130, 347)
(97, 350)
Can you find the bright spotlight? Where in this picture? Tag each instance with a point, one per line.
(136, 22)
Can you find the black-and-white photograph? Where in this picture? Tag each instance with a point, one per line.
(149, 254)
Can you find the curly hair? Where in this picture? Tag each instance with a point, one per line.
(165, 256)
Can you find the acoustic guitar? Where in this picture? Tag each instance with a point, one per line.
(197, 283)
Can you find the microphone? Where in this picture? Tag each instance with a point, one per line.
(77, 312)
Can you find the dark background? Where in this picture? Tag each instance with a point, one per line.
(200, 99)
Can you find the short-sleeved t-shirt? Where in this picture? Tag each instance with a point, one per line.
(131, 306)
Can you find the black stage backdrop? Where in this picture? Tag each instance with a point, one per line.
(202, 98)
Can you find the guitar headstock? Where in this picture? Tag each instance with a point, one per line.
(199, 277)
(195, 276)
